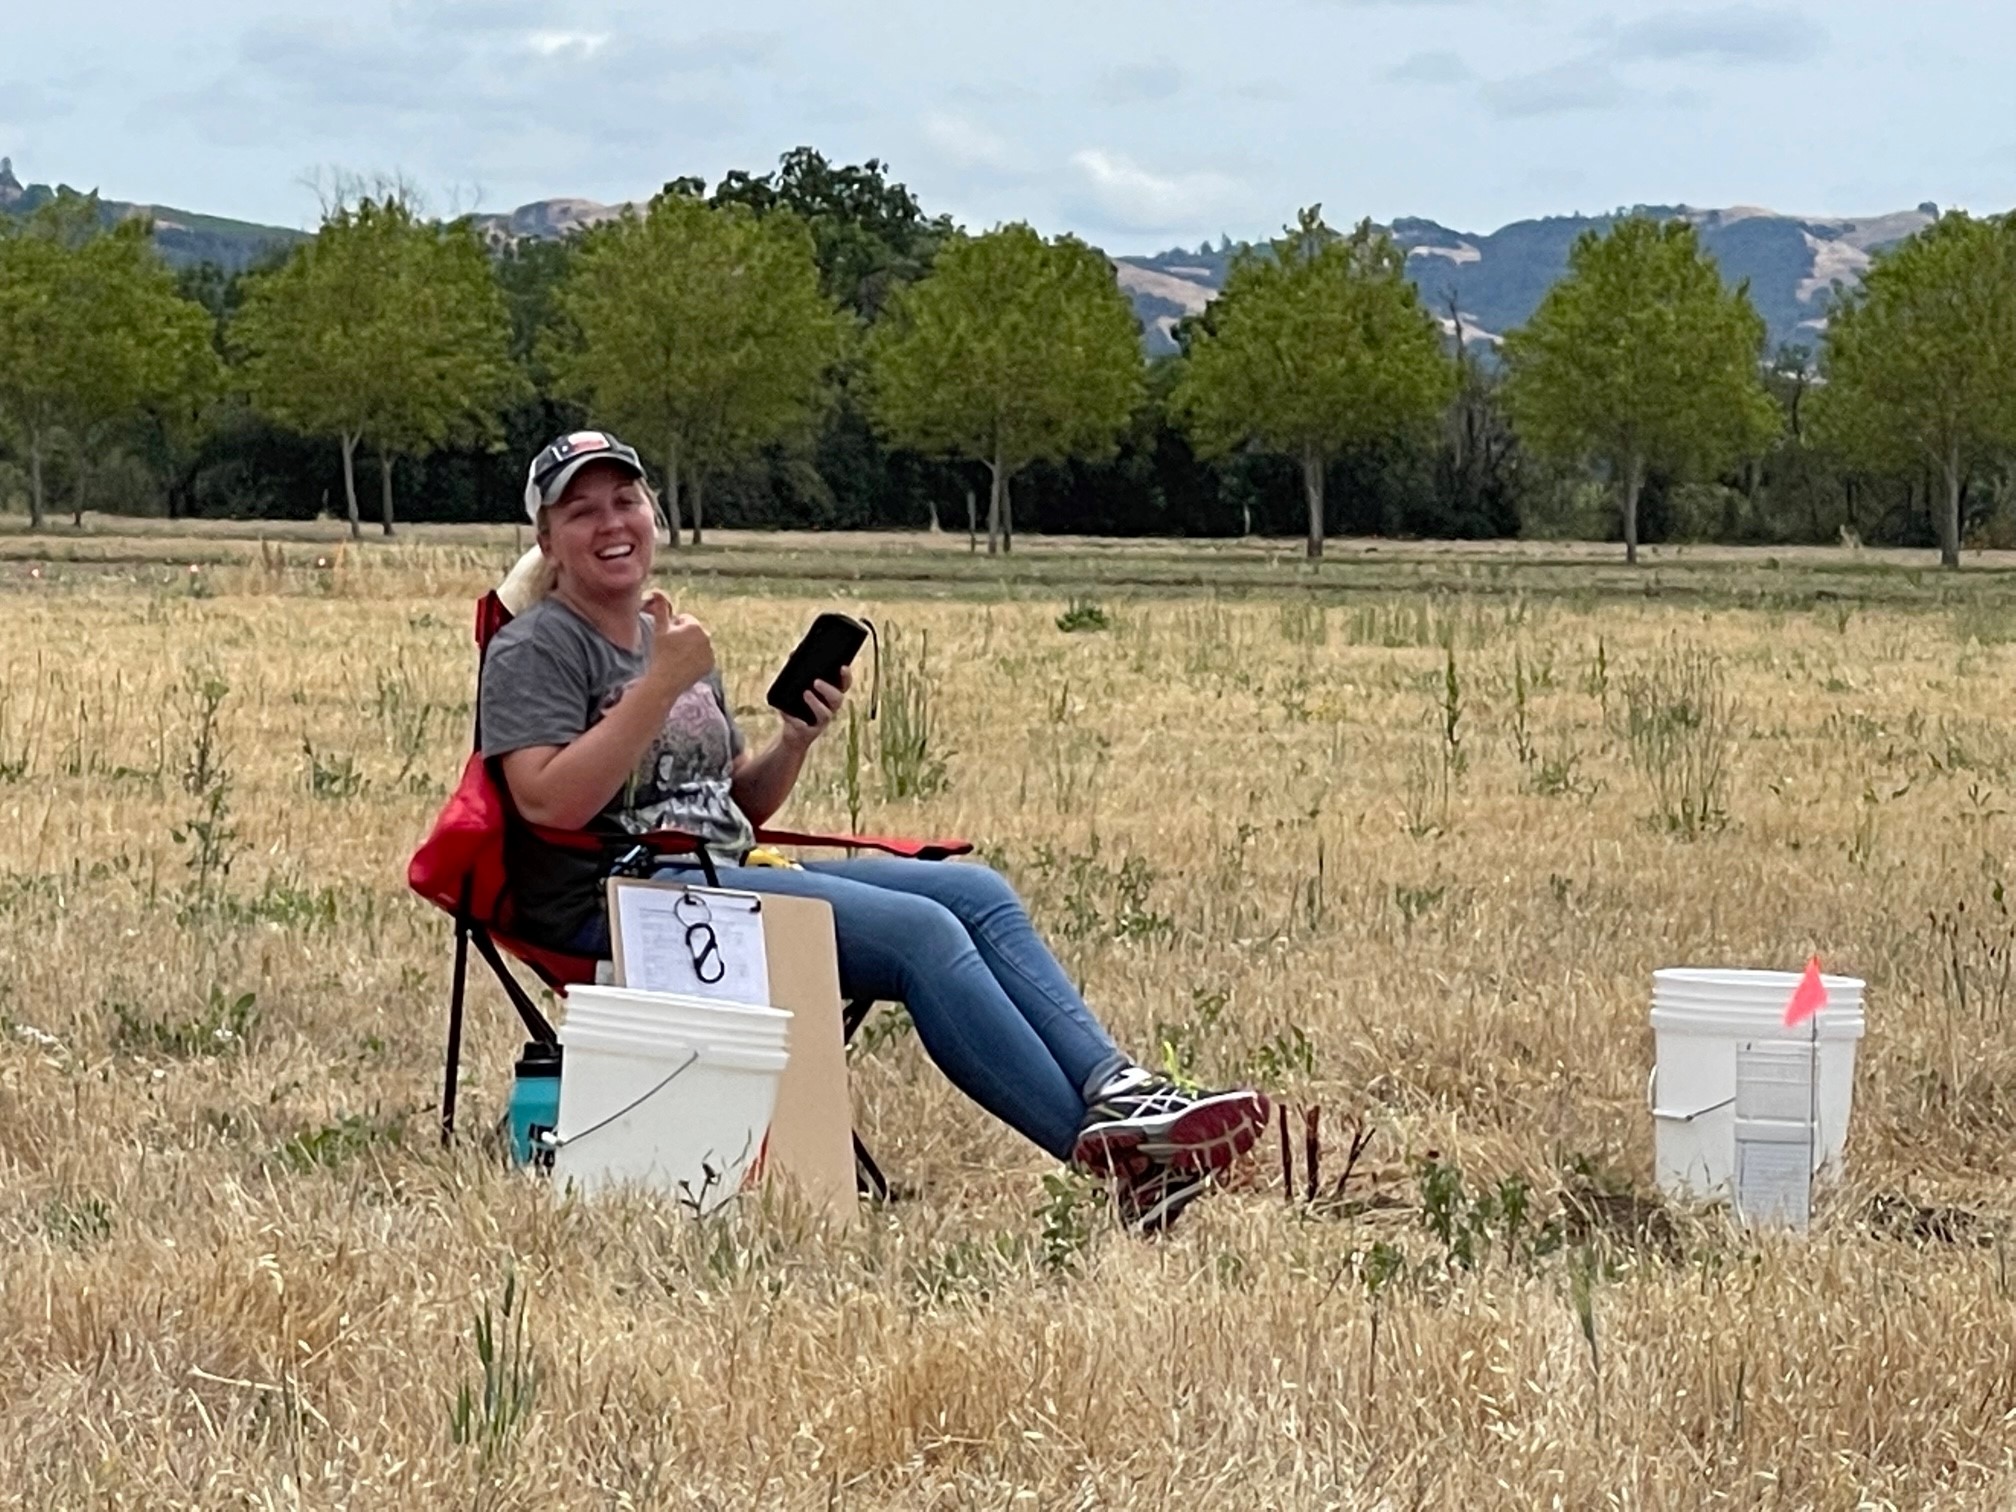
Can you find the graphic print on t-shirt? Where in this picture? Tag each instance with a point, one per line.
(682, 782)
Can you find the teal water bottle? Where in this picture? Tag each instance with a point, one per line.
(535, 1103)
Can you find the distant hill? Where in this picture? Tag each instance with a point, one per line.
(1496, 280)
(183, 236)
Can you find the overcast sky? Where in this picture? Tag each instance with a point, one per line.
(1136, 124)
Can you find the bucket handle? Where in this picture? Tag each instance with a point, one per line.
(1674, 1115)
(559, 1140)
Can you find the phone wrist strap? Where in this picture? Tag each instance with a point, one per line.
(875, 688)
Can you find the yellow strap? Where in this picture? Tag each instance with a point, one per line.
(763, 855)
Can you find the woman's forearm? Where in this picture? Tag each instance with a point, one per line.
(763, 781)
(564, 787)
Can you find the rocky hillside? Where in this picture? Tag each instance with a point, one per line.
(1492, 281)
(183, 236)
(1495, 281)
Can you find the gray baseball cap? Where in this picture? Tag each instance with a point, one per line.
(559, 460)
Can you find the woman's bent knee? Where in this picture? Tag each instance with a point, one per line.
(906, 934)
(977, 894)
(928, 927)
(989, 883)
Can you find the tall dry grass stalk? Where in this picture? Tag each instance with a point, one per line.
(242, 1273)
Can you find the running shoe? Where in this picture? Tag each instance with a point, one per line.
(1149, 1202)
(1139, 1115)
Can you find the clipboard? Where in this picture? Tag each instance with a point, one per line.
(812, 1131)
(698, 941)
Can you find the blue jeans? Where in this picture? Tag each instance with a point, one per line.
(954, 945)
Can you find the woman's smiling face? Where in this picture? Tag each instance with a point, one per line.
(601, 532)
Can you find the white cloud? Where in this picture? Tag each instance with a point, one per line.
(1735, 34)
(964, 143)
(1555, 91)
(1260, 92)
(29, 101)
(550, 44)
(454, 95)
(1440, 66)
(1129, 197)
(1139, 84)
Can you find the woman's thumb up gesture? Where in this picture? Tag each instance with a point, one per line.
(681, 653)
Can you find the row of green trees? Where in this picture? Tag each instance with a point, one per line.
(92, 331)
(384, 328)
(786, 332)
(1642, 359)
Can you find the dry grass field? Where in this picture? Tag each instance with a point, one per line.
(1404, 841)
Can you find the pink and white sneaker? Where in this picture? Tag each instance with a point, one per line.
(1140, 1117)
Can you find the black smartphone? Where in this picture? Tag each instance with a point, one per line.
(827, 647)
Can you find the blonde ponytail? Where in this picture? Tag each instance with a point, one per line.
(529, 581)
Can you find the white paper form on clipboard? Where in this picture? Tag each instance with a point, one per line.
(700, 941)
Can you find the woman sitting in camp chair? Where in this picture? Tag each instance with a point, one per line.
(601, 711)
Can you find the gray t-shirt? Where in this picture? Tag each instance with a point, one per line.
(548, 677)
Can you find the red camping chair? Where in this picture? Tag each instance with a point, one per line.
(459, 868)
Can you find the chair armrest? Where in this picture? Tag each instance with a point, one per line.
(675, 843)
(917, 850)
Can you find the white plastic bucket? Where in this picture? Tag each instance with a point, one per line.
(655, 1015)
(588, 1004)
(1701, 1020)
(670, 1093)
(685, 1030)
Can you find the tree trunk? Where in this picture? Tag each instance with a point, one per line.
(78, 487)
(1634, 484)
(972, 521)
(697, 503)
(1007, 516)
(994, 506)
(931, 503)
(672, 491)
(1312, 489)
(1949, 514)
(385, 490)
(350, 484)
(35, 516)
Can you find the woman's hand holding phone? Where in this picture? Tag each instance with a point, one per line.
(808, 687)
(822, 707)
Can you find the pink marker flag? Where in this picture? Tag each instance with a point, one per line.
(1808, 998)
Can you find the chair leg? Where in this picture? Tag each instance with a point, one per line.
(869, 1181)
(855, 1016)
(537, 1025)
(450, 1073)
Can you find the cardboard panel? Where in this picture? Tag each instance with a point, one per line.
(812, 1134)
